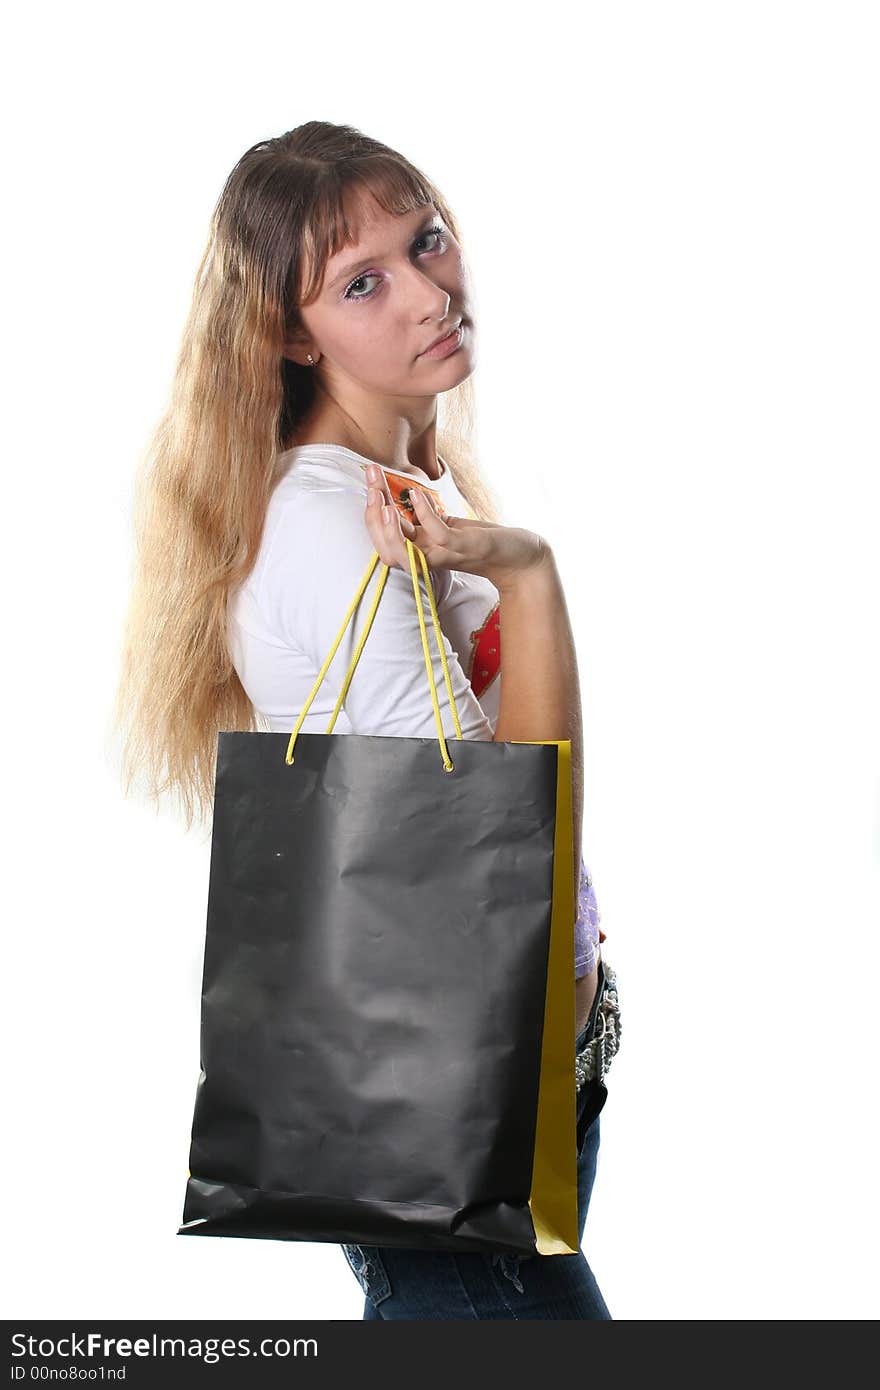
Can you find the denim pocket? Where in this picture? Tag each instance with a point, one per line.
(367, 1266)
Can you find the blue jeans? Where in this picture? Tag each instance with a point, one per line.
(401, 1283)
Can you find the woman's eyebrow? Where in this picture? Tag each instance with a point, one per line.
(354, 266)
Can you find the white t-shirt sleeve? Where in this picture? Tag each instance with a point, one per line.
(316, 558)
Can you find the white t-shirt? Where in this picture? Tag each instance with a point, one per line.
(283, 620)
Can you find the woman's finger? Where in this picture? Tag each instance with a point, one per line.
(427, 516)
(396, 523)
(388, 529)
(385, 498)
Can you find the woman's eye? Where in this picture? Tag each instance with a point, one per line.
(361, 279)
(432, 231)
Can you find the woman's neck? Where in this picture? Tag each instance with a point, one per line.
(316, 433)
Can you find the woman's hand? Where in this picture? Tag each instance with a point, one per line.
(501, 554)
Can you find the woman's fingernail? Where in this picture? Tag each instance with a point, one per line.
(386, 513)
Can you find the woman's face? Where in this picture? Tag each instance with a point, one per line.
(384, 301)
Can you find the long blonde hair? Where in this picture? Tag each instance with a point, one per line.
(203, 485)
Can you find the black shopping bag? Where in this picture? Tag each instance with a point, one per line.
(387, 1011)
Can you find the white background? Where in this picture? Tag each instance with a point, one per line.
(672, 216)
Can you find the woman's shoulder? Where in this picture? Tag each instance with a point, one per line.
(317, 497)
(307, 481)
(315, 536)
(314, 470)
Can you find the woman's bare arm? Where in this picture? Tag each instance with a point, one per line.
(540, 689)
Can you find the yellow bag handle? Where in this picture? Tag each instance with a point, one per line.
(448, 765)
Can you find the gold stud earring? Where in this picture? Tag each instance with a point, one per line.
(311, 360)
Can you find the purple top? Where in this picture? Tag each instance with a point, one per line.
(586, 927)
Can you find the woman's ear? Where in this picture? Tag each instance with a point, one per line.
(301, 356)
(301, 350)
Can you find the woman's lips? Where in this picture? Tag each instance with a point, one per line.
(451, 343)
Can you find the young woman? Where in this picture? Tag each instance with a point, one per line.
(331, 310)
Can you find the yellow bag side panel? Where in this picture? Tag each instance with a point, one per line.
(553, 1198)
